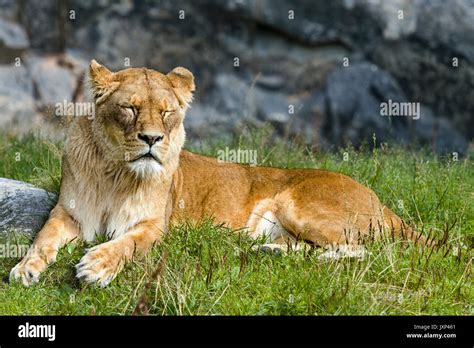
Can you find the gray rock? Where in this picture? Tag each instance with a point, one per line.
(447, 25)
(283, 61)
(423, 62)
(232, 95)
(118, 43)
(122, 6)
(267, 46)
(433, 80)
(395, 24)
(308, 119)
(17, 104)
(416, 49)
(314, 22)
(23, 207)
(354, 97)
(77, 59)
(241, 100)
(12, 35)
(359, 23)
(227, 107)
(275, 108)
(271, 82)
(9, 9)
(44, 22)
(439, 134)
(236, 101)
(54, 83)
(203, 121)
(13, 41)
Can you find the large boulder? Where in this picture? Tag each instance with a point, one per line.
(311, 22)
(17, 103)
(354, 97)
(10, 9)
(24, 208)
(254, 60)
(44, 23)
(446, 26)
(12, 35)
(414, 41)
(111, 39)
(30, 91)
(13, 41)
(54, 80)
(237, 100)
(433, 80)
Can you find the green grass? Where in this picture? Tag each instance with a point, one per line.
(209, 270)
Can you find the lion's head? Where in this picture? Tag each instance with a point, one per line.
(139, 115)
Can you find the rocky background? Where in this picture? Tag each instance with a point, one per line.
(317, 70)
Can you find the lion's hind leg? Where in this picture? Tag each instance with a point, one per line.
(340, 235)
(264, 224)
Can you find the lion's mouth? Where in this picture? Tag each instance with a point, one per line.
(147, 157)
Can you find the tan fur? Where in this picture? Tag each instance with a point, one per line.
(106, 189)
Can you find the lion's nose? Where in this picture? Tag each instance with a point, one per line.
(150, 139)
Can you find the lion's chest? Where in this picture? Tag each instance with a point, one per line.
(102, 211)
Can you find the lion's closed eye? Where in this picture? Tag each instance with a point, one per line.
(129, 111)
(166, 114)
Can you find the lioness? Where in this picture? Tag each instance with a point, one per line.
(124, 173)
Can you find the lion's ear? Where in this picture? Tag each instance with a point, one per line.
(183, 82)
(101, 81)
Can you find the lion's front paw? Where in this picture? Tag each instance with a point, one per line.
(100, 264)
(28, 270)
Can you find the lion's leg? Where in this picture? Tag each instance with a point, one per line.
(263, 224)
(103, 262)
(58, 230)
(327, 227)
(331, 232)
(288, 223)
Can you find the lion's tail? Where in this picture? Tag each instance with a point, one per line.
(402, 230)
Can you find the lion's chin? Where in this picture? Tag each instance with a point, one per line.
(145, 167)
